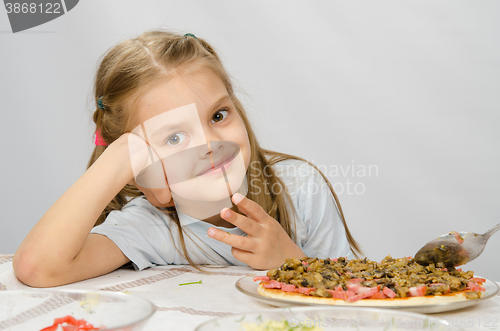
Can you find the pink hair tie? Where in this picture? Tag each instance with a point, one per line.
(98, 139)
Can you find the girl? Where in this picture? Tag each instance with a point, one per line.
(106, 219)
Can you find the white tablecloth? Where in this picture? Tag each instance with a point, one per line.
(184, 307)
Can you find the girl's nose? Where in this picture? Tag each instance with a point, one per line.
(213, 147)
(215, 143)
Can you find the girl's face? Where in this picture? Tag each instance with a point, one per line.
(192, 125)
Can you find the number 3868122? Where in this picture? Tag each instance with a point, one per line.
(33, 8)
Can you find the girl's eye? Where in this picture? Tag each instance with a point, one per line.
(175, 139)
(219, 116)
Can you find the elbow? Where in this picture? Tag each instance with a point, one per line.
(29, 272)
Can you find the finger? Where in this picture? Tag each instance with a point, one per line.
(250, 208)
(233, 240)
(247, 225)
(241, 255)
(251, 259)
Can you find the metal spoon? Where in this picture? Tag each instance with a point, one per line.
(454, 248)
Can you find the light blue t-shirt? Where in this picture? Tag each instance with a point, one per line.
(149, 237)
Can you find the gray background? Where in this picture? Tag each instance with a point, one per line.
(410, 87)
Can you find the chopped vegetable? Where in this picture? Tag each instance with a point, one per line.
(69, 323)
(389, 293)
(283, 325)
(418, 291)
(457, 237)
(199, 282)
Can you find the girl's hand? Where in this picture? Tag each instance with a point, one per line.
(266, 246)
(153, 175)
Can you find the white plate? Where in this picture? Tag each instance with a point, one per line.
(37, 308)
(330, 318)
(249, 287)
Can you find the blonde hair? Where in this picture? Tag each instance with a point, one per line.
(130, 67)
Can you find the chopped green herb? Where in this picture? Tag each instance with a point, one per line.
(190, 283)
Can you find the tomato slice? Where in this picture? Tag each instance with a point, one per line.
(474, 287)
(69, 323)
(478, 280)
(66, 319)
(50, 328)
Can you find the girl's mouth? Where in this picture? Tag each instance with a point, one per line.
(217, 169)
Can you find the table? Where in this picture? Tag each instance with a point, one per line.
(184, 307)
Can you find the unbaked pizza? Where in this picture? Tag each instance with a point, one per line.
(363, 282)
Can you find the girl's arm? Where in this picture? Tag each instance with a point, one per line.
(59, 249)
